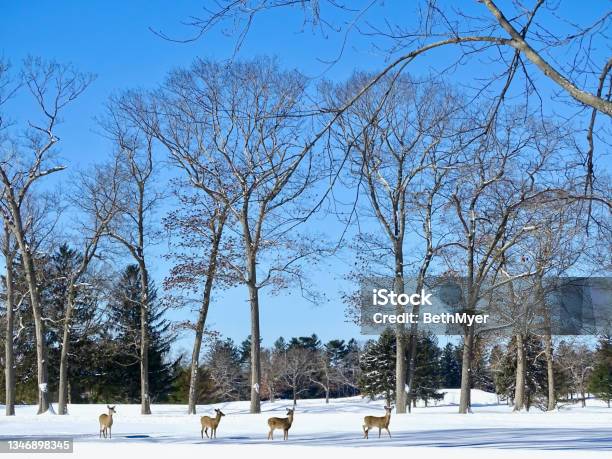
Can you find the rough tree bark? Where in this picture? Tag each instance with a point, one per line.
(62, 405)
(548, 346)
(9, 370)
(27, 261)
(465, 403)
(400, 333)
(255, 335)
(519, 388)
(550, 371)
(145, 399)
(201, 322)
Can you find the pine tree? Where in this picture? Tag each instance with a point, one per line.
(600, 382)
(535, 371)
(450, 367)
(427, 369)
(84, 329)
(311, 343)
(124, 317)
(481, 369)
(377, 365)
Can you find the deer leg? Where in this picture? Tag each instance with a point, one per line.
(206, 432)
(379, 429)
(202, 433)
(110, 432)
(387, 429)
(270, 437)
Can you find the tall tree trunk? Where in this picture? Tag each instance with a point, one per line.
(413, 341)
(145, 400)
(255, 335)
(548, 351)
(195, 355)
(39, 326)
(412, 352)
(466, 371)
(519, 388)
(201, 323)
(9, 371)
(550, 369)
(62, 407)
(400, 335)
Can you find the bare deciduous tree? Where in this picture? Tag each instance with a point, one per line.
(24, 163)
(399, 139)
(501, 174)
(9, 251)
(538, 51)
(231, 127)
(199, 225)
(96, 197)
(131, 225)
(297, 366)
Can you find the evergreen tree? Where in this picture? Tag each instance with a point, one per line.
(482, 377)
(124, 318)
(245, 352)
(280, 345)
(535, 371)
(450, 367)
(336, 351)
(311, 343)
(84, 333)
(600, 382)
(377, 364)
(427, 369)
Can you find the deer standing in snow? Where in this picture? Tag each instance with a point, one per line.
(106, 422)
(382, 422)
(212, 423)
(281, 423)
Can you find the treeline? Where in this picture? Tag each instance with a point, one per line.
(301, 367)
(105, 364)
(104, 361)
(579, 371)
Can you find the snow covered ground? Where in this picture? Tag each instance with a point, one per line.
(491, 431)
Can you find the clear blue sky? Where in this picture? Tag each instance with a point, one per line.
(112, 40)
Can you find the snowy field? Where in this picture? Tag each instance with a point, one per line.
(491, 431)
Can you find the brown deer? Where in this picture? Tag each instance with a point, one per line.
(382, 422)
(106, 422)
(212, 423)
(281, 423)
